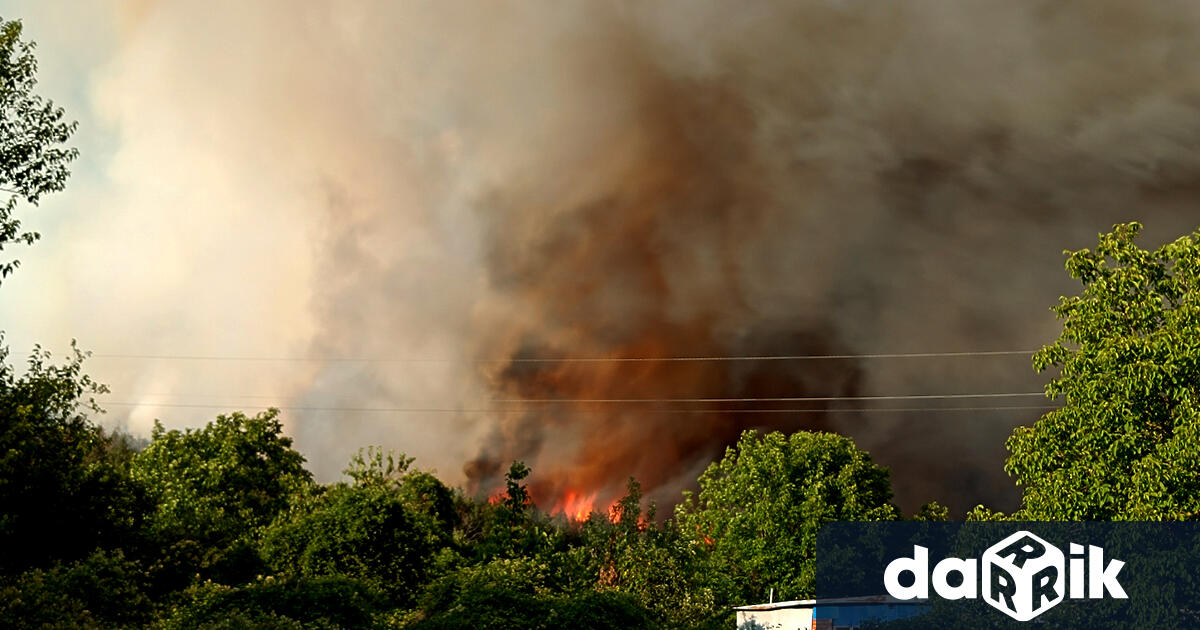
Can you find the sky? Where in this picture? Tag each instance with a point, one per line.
(153, 249)
(393, 218)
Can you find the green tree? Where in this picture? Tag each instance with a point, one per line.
(363, 532)
(502, 593)
(1126, 442)
(61, 495)
(216, 488)
(33, 132)
(932, 512)
(628, 551)
(516, 494)
(759, 508)
(374, 465)
(103, 590)
(521, 594)
(510, 527)
(234, 475)
(324, 603)
(421, 491)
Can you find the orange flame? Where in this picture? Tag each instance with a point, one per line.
(576, 506)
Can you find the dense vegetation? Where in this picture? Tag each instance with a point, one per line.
(223, 527)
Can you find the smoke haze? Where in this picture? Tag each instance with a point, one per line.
(402, 183)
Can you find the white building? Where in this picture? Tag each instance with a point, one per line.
(844, 613)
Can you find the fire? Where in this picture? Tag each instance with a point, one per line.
(577, 441)
(576, 506)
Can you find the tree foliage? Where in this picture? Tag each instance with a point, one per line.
(105, 589)
(364, 532)
(33, 134)
(516, 494)
(215, 490)
(60, 493)
(665, 570)
(322, 603)
(759, 508)
(1126, 442)
(219, 482)
(519, 594)
(429, 500)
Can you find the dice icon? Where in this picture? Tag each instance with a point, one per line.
(1023, 576)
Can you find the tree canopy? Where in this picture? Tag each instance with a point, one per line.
(34, 158)
(759, 508)
(364, 532)
(218, 482)
(61, 494)
(1126, 442)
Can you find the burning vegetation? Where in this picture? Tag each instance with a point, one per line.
(650, 181)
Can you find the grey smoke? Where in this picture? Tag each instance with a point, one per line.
(542, 179)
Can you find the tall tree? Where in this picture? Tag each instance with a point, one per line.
(61, 496)
(1126, 442)
(33, 135)
(760, 507)
(214, 484)
(365, 532)
(216, 488)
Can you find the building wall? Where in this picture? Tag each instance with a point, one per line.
(781, 619)
(856, 615)
(826, 616)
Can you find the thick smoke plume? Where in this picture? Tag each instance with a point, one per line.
(525, 181)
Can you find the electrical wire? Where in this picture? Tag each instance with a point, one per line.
(776, 399)
(655, 411)
(788, 357)
(525, 404)
(698, 400)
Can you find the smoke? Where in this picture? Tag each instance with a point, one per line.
(402, 183)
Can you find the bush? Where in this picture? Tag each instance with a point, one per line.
(362, 532)
(104, 590)
(317, 603)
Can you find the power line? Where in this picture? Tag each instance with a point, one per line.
(676, 359)
(774, 399)
(655, 411)
(699, 400)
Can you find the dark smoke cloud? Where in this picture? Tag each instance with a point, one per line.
(828, 178)
(530, 180)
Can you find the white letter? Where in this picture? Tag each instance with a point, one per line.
(1075, 575)
(965, 568)
(1099, 580)
(918, 565)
